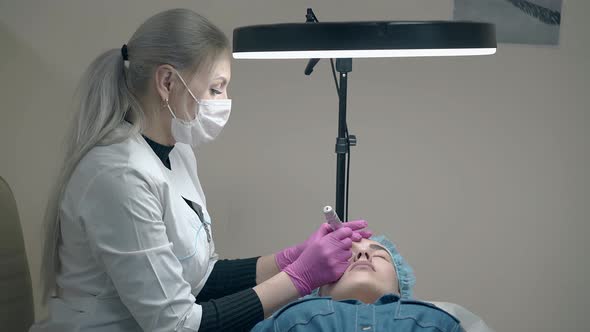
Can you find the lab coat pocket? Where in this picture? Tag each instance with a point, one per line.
(184, 242)
(191, 248)
(181, 227)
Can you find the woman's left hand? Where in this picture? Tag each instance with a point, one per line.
(288, 255)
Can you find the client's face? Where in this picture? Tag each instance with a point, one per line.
(371, 274)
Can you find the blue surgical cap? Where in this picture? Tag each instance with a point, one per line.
(405, 274)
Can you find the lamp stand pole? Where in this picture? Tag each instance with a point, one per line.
(343, 141)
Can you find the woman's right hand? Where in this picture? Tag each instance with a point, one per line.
(322, 261)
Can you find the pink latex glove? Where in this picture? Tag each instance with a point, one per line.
(290, 254)
(322, 261)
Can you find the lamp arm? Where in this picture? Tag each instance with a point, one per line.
(310, 18)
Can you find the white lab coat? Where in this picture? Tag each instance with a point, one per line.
(134, 255)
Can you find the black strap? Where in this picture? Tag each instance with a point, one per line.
(125, 52)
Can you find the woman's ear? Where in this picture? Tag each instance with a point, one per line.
(164, 81)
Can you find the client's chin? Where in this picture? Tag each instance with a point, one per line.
(362, 288)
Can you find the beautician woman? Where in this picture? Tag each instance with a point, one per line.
(129, 242)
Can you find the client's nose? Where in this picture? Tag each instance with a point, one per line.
(362, 255)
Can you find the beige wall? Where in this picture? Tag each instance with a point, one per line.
(476, 167)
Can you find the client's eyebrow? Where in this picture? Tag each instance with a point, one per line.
(378, 247)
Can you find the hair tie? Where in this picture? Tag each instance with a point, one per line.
(125, 53)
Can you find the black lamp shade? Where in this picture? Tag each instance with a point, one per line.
(363, 39)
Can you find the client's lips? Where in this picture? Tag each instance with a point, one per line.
(362, 263)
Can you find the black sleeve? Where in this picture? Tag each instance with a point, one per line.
(235, 312)
(229, 276)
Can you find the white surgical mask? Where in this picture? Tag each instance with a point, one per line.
(211, 117)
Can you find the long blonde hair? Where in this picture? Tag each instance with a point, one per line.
(109, 92)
